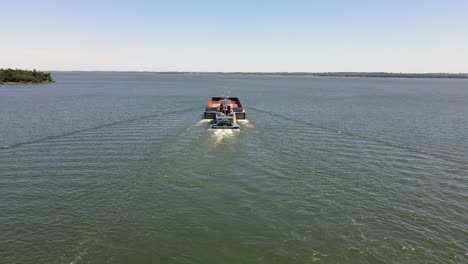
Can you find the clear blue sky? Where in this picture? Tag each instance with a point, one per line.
(397, 36)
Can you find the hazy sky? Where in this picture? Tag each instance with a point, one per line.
(237, 35)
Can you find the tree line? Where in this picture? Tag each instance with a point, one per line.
(24, 76)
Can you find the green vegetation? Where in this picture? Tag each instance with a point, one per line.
(11, 76)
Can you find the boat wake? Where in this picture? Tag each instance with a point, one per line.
(203, 121)
(223, 134)
(66, 134)
(245, 123)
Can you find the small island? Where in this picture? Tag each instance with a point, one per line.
(16, 76)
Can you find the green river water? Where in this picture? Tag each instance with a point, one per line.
(120, 168)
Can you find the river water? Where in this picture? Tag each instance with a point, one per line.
(120, 168)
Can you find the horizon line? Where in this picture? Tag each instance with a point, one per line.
(248, 72)
(261, 72)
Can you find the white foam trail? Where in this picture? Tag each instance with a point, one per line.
(203, 121)
(245, 123)
(220, 134)
(83, 247)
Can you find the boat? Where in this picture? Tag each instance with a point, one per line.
(224, 112)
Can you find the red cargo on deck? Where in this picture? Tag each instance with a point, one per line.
(213, 106)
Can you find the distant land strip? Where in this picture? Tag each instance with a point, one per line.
(337, 74)
(17, 76)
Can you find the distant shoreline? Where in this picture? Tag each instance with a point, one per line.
(339, 74)
(20, 83)
(309, 74)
